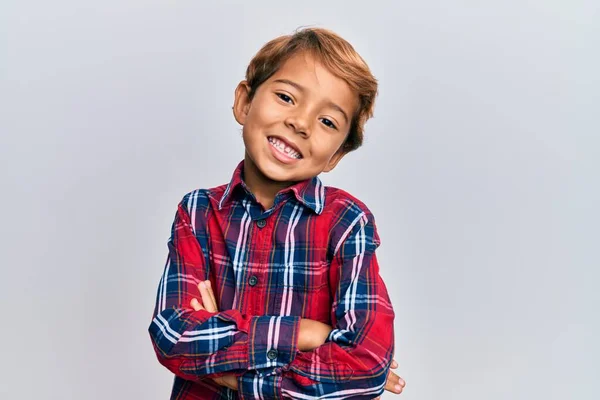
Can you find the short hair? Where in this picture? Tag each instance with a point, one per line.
(337, 55)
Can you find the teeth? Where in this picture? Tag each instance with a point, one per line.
(283, 148)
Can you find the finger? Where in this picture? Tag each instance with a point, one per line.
(196, 304)
(390, 387)
(392, 384)
(389, 383)
(212, 293)
(397, 380)
(394, 388)
(206, 299)
(394, 364)
(231, 381)
(401, 382)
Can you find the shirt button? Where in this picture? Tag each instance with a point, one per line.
(272, 354)
(253, 280)
(261, 223)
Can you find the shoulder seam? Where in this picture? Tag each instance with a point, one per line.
(347, 232)
(190, 203)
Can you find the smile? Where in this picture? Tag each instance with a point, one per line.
(281, 148)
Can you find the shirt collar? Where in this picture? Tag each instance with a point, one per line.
(309, 192)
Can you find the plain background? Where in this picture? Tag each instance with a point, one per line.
(480, 166)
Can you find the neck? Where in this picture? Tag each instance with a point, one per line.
(261, 186)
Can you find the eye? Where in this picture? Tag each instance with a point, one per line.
(328, 123)
(285, 97)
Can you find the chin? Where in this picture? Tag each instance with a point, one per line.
(275, 172)
(275, 175)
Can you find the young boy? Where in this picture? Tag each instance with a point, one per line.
(271, 287)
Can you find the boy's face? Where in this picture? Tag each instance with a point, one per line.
(304, 106)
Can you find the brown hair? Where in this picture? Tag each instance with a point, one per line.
(336, 54)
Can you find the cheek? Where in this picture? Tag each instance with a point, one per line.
(324, 149)
(264, 112)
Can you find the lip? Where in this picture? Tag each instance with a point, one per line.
(280, 156)
(292, 145)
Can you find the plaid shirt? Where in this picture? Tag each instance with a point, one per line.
(311, 255)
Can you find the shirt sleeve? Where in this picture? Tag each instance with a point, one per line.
(355, 359)
(199, 344)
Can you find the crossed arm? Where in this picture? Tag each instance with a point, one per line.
(352, 360)
(312, 334)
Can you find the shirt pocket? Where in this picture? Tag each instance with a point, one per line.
(308, 295)
(307, 278)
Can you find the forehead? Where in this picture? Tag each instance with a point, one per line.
(319, 82)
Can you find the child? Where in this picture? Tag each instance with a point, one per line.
(271, 287)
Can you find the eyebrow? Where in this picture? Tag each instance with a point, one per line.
(302, 89)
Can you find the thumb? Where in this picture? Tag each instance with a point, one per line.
(196, 304)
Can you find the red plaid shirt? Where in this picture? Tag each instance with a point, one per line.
(311, 255)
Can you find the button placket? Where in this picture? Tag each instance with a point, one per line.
(261, 245)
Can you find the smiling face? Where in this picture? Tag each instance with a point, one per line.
(295, 124)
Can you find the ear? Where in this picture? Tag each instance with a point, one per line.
(335, 159)
(241, 103)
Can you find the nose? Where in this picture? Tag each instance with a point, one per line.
(299, 123)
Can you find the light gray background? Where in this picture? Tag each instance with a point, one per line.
(481, 168)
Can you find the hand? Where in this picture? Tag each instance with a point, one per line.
(312, 334)
(229, 381)
(209, 303)
(394, 383)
